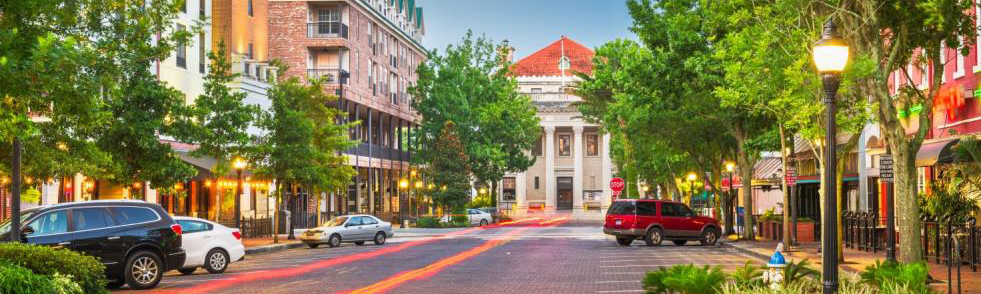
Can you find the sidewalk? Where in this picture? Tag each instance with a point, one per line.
(265, 244)
(856, 261)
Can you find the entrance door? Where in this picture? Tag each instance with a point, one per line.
(564, 186)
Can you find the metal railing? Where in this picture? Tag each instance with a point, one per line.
(333, 74)
(861, 231)
(334, 29)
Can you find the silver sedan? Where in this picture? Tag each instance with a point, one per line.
(349, 228)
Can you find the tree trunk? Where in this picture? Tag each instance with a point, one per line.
(279, 195)
(907, 210)
(317, 210)
(786, 189)
(746, 179)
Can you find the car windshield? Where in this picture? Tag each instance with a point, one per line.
(336, 222)
(5, 225)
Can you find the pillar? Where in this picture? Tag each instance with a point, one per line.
(607, 172)
(550, 197)
(577, 152)
(521, 193)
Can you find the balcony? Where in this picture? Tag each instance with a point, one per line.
(326, 30)
(334, 75)
(377, 151)
(552, 96)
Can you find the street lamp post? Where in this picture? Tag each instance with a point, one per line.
(239, 164)
(404, 186)
(830, 57)
(731, 209)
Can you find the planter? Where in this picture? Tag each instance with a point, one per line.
(805, 232)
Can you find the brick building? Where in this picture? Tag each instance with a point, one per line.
(369, 51)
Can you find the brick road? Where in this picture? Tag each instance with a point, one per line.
(526, 258)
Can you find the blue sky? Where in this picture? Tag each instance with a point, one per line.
(528, 25)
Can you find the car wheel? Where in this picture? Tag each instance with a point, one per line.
(483, 222)
(359, 243)
(334, 241)
(709, 237)
(313, 245)
(216, 261)
(115, 284)
(187, 271)
(653, 237)
(624, 241)
(380, 238)
(143, 270)
(680, 242)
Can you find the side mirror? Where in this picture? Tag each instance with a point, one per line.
(26, 231)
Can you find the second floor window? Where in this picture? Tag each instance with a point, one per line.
(181, 50)
(592, 145)
(202, 53)
(565, 145)
(250, 8)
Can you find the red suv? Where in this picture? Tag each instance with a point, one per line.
(656, 220)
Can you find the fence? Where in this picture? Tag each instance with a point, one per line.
(252, 228)
(943, 242)
(862, 231)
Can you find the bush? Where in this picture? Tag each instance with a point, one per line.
(85, 270)
(891, 275)
(795, 271)
(16, 279)
(684, 279)
(748, 276)
(427, 222)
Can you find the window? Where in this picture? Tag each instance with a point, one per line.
(536, 183)
(668, 209)
(250, 8)
(91, 218)
(537, 149)
(134, 215)
(355, 221)
(592, 145)
(189, 226)
(565, 145)
(203, 53)
(959, 62)
(202, 10)
(622, 207)
(51, 223)
(367, 220)
(682, 210)
(509, 189)
(646, 208)
(536, 90)
(921, 179)
(181, 50)
(251, 53)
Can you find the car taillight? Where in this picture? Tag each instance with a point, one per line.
(177, 229)
(238, 236)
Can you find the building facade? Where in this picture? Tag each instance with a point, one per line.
(368, 50)
(573, 168)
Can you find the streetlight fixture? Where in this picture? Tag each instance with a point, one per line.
(239, 164)
(830, 57)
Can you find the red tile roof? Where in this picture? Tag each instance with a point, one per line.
(545, 62)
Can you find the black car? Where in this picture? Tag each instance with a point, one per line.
(135, 240)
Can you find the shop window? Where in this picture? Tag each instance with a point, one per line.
(509, 189)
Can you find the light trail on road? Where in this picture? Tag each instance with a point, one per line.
(438, 266)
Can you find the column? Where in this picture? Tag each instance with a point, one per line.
(549, 179)
(863, 177)
(607, 171)
(577, 152)
(521, 193)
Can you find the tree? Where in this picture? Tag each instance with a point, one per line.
(470, 86)
(450, 169)
(900, 35)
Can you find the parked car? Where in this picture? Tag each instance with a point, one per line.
(350, 228)
(136, 241)
(209, 245)
(476, 217)
(654, 221)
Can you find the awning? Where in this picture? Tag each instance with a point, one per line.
(936, 152)
(204, 165)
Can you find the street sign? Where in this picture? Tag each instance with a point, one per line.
(616, 184)
(885, 168)
(791, 176)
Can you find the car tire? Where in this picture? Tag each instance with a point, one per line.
(216, 261)
(359, 243)
(187, 271)
(680, 242)
(654, 237)
(334, 240)
(313, 245)
(624, 241)
(143, 270)
(380, 238)
(483, 222)
(709, 237)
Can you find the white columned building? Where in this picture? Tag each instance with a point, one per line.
(573, 167)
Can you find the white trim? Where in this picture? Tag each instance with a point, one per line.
(977, 24)
(959, 66)
(957, 123)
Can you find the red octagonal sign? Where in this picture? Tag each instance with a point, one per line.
(616, 184)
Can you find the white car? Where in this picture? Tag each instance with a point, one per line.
(477, 217)
(349, 228)
(209, 245)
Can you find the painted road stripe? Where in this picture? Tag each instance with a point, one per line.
(620, 291)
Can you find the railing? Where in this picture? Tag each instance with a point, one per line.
(559, 96)
(943, 242)
(333, 74)
(378, 151)
(861, 231)
(326, 30)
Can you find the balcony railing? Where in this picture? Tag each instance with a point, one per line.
(333, 75)
(552, 96)
(326, 30)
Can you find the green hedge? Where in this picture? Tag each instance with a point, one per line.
(16, 279)
(84, 270)
(427, 222)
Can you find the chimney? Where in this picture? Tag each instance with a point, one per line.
(507, 54)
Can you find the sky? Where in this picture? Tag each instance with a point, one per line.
(528, 25)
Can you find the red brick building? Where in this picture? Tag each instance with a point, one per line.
(369, 50)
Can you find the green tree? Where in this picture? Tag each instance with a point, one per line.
(450, 170)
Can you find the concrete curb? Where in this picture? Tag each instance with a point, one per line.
(272, 248)
(751, 253)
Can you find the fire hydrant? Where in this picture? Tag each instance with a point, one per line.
(773, 276)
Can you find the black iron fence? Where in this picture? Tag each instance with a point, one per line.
(863, 231)
(947, 243)
(252, 227)
(331, 29)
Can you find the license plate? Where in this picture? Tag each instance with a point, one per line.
(618, 222)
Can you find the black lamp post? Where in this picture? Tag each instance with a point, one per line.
(830, 57)
(404, 187)
(731, 202)
(239, 165)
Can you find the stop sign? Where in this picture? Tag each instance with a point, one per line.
(616, 184)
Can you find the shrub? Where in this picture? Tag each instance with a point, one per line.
(459, 216)
(684, 279)
(427, 222)
(85, 270)
(796, 271)
(748, 276)
(891, 275)
(16, 279)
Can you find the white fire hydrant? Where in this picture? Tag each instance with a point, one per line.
(773, 276)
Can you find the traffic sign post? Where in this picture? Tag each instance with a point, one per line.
(886, 176)
(616, 184)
